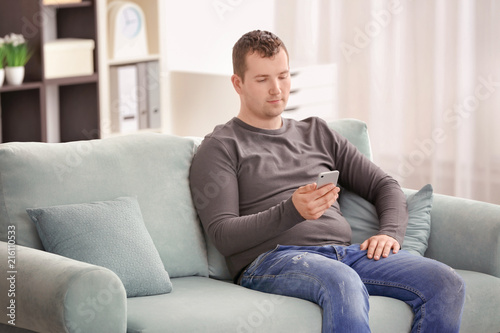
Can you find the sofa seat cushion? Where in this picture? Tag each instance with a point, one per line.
(199, 304)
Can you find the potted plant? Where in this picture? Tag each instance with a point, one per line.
(16, 56)
(2, 59)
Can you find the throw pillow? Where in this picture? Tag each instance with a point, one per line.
(363, 218)
(111, 234)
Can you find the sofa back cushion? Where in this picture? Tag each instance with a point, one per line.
(356, 132)
(152, 167)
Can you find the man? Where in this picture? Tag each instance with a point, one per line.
(280, 234)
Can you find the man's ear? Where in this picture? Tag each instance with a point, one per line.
(237, 82)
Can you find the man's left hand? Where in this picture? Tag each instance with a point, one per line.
(380, 246)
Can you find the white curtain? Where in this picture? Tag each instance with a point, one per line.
(424, 75)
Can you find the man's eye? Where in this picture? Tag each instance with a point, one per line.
(283, 77)
(261, 80)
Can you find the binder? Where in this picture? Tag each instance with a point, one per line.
(135, 97)
(124, 98)
(142, 94)
(153, 81)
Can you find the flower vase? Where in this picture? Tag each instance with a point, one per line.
(14, 75)
(2, 76)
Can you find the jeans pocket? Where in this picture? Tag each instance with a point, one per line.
(255, 264)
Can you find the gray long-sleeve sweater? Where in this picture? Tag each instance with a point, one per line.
(242, 179)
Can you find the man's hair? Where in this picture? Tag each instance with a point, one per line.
(265, 43)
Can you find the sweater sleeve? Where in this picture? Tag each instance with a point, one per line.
(361, 176)
(215, 191)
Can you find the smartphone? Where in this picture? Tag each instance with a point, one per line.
(327, 178)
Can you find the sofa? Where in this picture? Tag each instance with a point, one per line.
(102, 236)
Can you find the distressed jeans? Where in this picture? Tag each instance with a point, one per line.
(340, 278)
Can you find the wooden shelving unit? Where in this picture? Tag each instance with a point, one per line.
(50, 110)
(71, 108)
(155, 37)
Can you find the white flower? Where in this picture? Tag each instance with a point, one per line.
(9, 39)
(20, 40)
(14, 39)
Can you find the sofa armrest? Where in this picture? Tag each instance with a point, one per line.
(465, 234)
(45, 292)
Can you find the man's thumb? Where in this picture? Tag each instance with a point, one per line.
(308, 188)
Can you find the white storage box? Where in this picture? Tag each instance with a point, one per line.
(68, 57)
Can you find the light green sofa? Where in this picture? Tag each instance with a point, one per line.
(58, 294)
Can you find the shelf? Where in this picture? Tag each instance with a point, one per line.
(73, 80)
(24, 86)
(71, 5)
(21, 114)
(118, 62)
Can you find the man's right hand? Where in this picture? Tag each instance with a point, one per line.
(311, 202)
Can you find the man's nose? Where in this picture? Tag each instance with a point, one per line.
(275, 88)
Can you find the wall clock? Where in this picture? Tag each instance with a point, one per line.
(127, 30)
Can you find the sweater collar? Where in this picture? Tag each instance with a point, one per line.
(248, 127)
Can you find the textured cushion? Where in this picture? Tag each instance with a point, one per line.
(362, 216)
(152, 167)
(109, 234)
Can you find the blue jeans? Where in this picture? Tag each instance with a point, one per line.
(340, 279)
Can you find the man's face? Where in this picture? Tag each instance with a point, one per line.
(265, 90)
